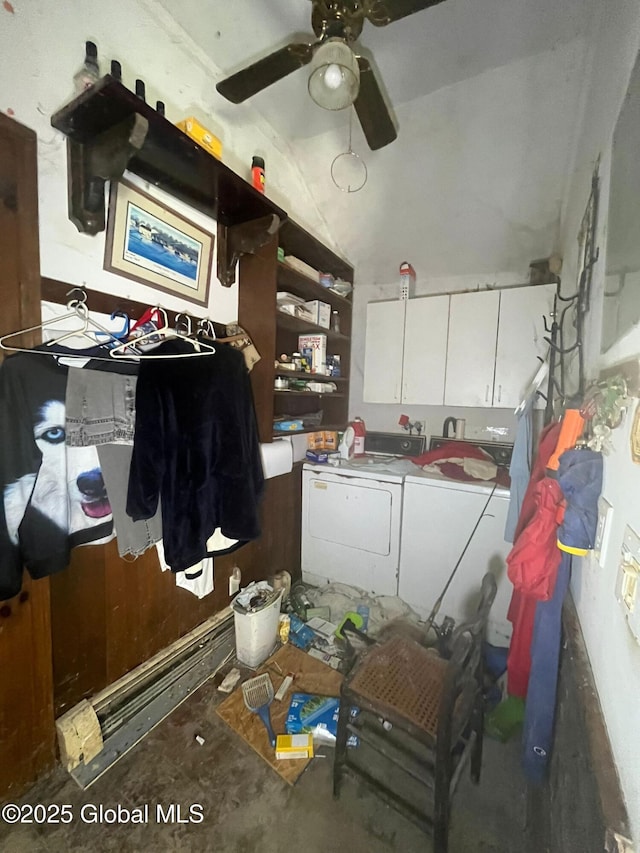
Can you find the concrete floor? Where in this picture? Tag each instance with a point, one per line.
(246, 807)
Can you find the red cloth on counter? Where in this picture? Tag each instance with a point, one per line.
(460, 450)
(522, 609)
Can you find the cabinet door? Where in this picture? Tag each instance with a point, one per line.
(425, 350)
(383, 352)
(471, 348)
(520, 340)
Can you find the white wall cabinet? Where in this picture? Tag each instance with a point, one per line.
(425, 350)
(471, 349)
(520, 341)
(406, 351)
(474, 349)
(383, 354)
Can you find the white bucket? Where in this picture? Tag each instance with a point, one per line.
(257, 633)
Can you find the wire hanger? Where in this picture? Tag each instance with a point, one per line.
(76, 308)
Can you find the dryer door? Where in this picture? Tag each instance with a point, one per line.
(351, 530)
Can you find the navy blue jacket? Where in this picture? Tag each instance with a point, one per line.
(196, 449)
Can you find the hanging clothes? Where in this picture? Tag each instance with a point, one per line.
(533, 561)
(520, 467)
(539, 714)
(522, 608)
(100, 407)
(580, 481)
(580, 478)
(196, 447)
(133, 538)
(100, 412)
(197, 579)
(53, 496)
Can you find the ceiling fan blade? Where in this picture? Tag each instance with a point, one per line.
(383, 12)
(254, 78)
(372, 111)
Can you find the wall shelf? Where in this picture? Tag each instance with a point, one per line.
(335, 395)
(295, 324)
(167, 157)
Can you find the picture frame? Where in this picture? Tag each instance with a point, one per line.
(149, 243)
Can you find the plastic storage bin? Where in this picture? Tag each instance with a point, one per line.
(257, 633)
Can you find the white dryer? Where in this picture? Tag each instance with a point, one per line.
(351, 519)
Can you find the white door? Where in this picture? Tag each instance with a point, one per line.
(425, 350)
(471, 348)
(520, 340)
(436, 524)
(383, 352)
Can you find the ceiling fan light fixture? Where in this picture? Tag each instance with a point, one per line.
(334, 80)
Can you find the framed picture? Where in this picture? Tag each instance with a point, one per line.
(151, 244)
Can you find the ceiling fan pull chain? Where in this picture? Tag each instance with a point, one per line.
(348, 170)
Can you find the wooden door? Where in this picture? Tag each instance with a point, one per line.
(471, 349)
(425, 350)
(26, 694)
(383, 352)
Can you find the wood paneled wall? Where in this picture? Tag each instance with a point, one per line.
(66, 637)
(108, 614)
(26, 695)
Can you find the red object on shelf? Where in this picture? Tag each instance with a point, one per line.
(360, 432)
(257, 174)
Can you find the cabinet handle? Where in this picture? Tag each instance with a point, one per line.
(486, 395)
(499, 393)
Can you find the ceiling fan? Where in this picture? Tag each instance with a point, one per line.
(339, 77)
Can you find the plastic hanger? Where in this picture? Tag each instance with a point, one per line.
(206, 328)
(536, 382)
(158, 336)
(123, 334)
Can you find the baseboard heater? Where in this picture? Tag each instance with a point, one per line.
(97, 732)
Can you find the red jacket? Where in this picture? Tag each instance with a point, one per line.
(523, 606)
(534, 559)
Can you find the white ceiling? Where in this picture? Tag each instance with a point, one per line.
(486, 96)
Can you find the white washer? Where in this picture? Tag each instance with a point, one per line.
(438, 516)
(351, 524)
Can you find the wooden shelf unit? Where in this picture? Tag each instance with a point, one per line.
(334, 405)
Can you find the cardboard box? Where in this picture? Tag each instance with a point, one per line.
(317, 344)
(323, 439)
(199, 133)
(321, 313)
(294, 746)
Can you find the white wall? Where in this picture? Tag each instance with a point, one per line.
(614, 654)
(473, 183)
(42, 46)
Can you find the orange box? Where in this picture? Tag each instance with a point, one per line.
(199, 133)
(322, 440)
(315, 440)
(329, 440)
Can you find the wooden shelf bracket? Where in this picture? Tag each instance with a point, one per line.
(91, 163)
(245, 238)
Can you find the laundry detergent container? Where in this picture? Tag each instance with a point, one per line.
(256, 632)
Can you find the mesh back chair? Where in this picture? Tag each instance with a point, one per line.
(419, 719)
